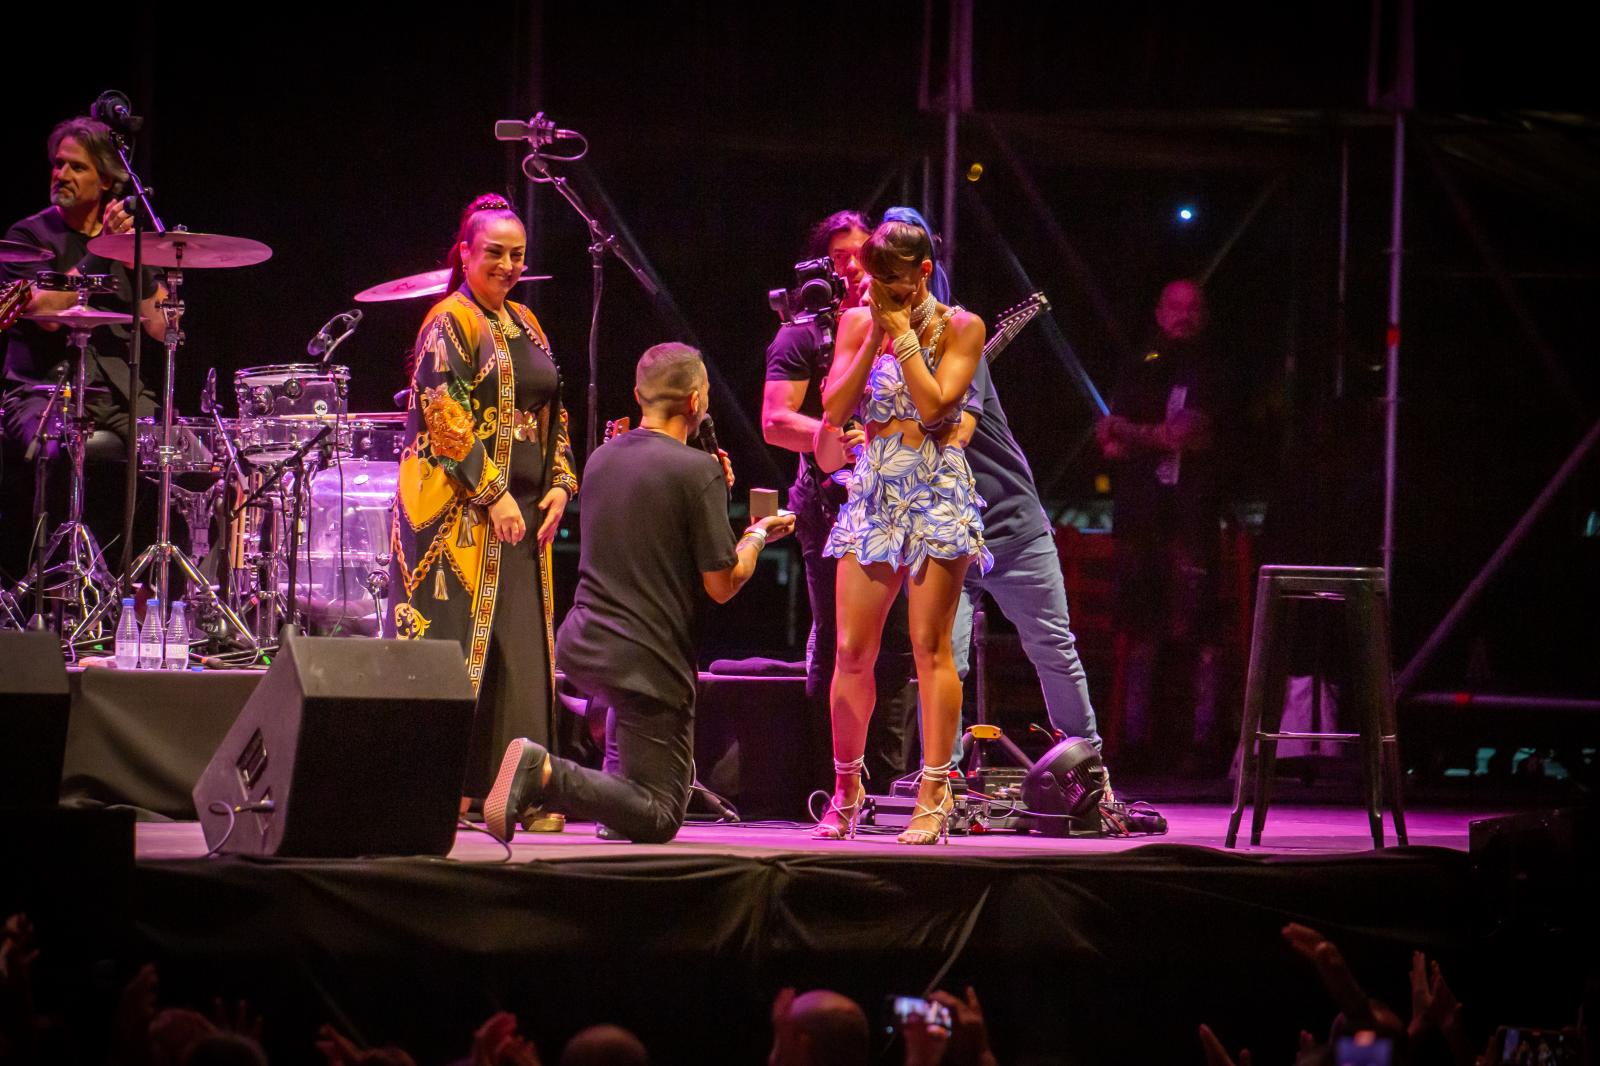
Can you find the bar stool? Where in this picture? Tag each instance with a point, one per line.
(1363, 594)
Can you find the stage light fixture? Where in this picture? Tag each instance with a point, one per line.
(1186, 214)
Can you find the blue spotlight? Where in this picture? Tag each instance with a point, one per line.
(1186, 214)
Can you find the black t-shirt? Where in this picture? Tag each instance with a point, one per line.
(1005, 481)
(32, 351)
(802, 352)
(654, 518)
(1169, 493)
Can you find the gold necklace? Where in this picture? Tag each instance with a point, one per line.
(510, 333)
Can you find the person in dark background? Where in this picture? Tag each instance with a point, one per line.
(791, 417)
(488, 462)
(1162, 436)
(86, 180)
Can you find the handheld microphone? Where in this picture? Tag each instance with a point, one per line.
(705, 438)
(115, 110)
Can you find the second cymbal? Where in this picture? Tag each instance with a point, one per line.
(428, 283)
(17, 252)
(86, 317)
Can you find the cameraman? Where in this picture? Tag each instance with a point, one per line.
(791, 408)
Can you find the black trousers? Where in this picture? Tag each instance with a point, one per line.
(646, 795)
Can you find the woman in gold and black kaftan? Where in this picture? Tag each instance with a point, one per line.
(487, 445)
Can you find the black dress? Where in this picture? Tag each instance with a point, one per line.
(485, 419)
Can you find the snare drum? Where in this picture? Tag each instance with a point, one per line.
(283, 406)
(292, 389)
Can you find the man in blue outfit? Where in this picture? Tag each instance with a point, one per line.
(1026, 581)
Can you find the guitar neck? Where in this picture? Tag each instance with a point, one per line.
(1003, 336)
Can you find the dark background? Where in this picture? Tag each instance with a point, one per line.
(350, 140)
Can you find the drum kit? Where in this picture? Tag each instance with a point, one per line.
(300, 488)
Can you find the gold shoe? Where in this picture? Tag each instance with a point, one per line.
(539, 820)
(940, 812)
(850, 813)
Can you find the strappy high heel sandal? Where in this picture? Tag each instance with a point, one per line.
(850, 813)
(940, 812)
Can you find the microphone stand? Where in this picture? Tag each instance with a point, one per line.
(537, 168)
(142, 210)
(233, 481)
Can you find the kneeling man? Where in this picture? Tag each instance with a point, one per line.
(655, 532)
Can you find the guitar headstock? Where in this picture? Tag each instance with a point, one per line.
(1022, 312)
(1011, 322)
(617, 427)
(13, 302)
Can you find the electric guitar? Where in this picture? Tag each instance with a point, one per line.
(13, 302)
(1009, 324)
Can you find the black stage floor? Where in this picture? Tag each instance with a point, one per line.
(1114, 949)
(1092, 950)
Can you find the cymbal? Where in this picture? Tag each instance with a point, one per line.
(83, 317)
(97, 392)
(430, 283)
(17, 252)
(180, 248)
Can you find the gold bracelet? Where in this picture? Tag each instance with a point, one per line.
(905, 346)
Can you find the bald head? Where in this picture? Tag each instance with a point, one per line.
(1181, 311)
(604, 1045)
(665, 377)
(822, 1027)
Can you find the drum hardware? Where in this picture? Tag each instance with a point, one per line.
(292, 469)
(378, 583)
(173, 251)
(321, 346)
(85, 589)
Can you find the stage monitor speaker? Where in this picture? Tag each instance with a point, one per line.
(1065, 788)
(347, 747)
(35, 702)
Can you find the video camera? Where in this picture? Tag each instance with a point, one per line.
(817, 292)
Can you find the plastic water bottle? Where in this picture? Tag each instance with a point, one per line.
(128, 637)
(177, 653)
(150, 636)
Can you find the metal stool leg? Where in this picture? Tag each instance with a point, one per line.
(1250, 719)
(1366, 669)
(1394, 775)
(1275, 683)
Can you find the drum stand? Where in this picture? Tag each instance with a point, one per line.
(164, 554)
(86, 589)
